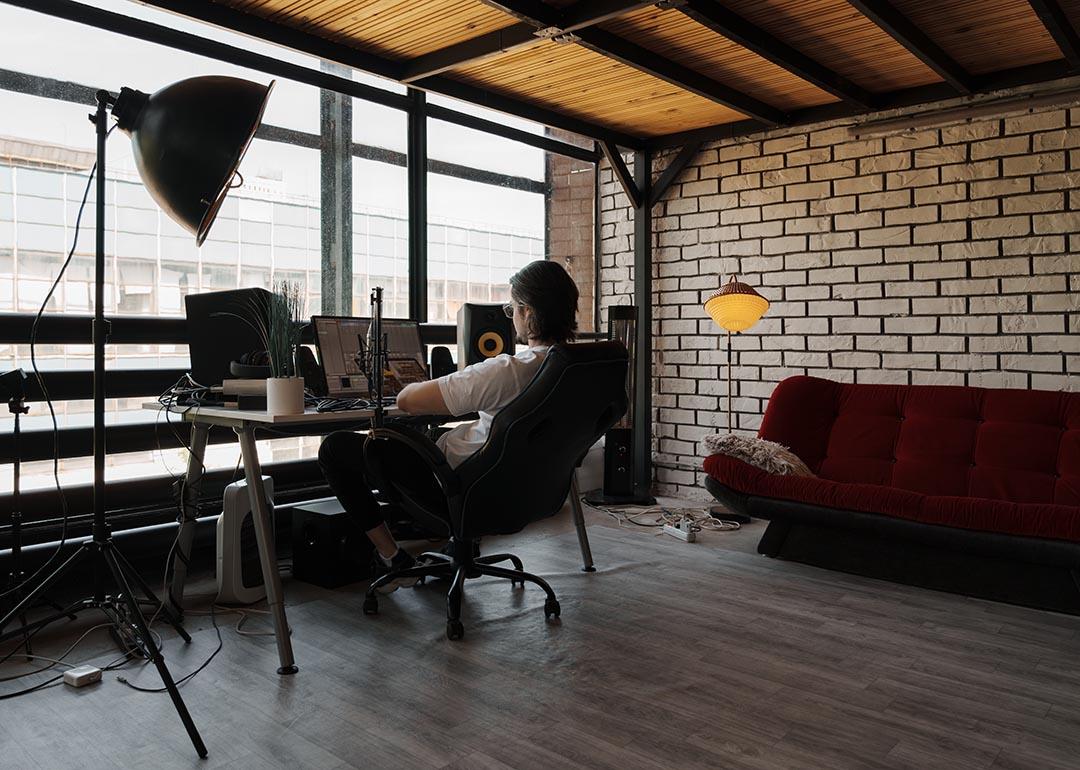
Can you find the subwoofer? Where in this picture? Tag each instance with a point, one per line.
(483, 331)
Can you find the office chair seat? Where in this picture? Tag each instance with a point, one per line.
(522, 474)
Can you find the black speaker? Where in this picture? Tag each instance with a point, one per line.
(328, 550)
(619, 462)
(483, 331)
(442, 362)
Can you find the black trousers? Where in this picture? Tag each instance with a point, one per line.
(341, 458)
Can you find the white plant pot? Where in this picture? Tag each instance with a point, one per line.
(285, 395)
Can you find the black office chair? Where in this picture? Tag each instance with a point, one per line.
(521, 475)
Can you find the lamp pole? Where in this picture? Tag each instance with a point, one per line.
(100, 328)
(729, 430)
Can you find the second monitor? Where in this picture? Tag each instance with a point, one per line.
(343, 345)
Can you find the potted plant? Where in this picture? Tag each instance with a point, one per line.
(281, 327)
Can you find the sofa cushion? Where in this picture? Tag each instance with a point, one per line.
(1020, 446)
(1060, 522)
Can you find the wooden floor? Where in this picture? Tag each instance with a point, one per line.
(672, 655)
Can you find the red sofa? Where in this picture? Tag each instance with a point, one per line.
(967, 489)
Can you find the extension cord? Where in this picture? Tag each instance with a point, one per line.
(80, 676)
(683, 534)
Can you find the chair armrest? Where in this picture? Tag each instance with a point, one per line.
(424, 448)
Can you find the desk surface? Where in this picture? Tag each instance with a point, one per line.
(229, 414)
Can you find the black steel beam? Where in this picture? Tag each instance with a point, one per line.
(439, 112)
(903, 31)
(622, 173)
(524, 33)
(469, 51)
(643, 299)
(122, 383)
(1012, 78)
(655, 64)
(313, 45)
(549, 19)
(674, 168)
(75, 329)
(1060, 28)
(417, 170)
(716, 17)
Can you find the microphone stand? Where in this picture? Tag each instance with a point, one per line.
(378, 356)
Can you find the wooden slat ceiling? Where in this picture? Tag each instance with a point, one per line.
(983, 36)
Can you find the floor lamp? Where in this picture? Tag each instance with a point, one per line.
(188, 140)
(735, 308)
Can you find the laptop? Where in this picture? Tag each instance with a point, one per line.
(342, 343)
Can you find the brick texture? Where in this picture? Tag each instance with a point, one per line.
(939, 256)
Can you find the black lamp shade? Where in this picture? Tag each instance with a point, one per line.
(188, 140)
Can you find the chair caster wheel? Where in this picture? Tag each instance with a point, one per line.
(454, 630)
(551, 607)
(371, 605)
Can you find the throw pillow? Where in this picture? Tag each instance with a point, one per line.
(767, 455)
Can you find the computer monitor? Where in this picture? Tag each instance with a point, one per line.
(221, 329)
(342, 343)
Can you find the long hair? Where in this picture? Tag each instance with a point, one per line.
(548, 289)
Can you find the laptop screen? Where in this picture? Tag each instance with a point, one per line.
(342, 343)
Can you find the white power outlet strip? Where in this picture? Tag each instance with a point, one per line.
(686, 533)
(80, 676)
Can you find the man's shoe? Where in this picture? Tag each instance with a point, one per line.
(402, 561)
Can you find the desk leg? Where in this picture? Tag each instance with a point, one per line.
(579, 523)
(264, 533)
(189, 506)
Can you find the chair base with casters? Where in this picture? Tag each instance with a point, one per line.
(463, 564)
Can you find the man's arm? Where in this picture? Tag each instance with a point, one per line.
(422, 398)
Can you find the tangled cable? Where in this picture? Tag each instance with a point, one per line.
(657, 516)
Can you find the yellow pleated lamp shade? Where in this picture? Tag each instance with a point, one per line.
(736, 307)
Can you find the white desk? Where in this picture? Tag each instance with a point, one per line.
(244, 423)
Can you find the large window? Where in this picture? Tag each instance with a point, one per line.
(493, 204)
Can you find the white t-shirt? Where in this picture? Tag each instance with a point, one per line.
(486, 387)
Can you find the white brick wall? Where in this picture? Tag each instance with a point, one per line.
(938, 256)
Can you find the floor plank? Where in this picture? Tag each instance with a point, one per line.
(671, 655)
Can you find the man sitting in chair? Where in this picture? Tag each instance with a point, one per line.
(544, 306)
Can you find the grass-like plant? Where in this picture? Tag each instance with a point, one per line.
(278, 318)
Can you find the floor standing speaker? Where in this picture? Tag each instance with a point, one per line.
(483, 331)
(328, 550)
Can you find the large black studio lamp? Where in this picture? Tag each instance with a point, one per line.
(188, 140)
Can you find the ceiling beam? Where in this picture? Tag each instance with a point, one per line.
(548, 18)
(622, 173)
(304, 42)
(719, 19)
(524, 33)
(903, 31)
(1059, 27)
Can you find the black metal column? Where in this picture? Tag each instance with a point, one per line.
(417, 171)
(643, 300)
(335, 128)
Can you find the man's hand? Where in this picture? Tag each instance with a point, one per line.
(422, 398)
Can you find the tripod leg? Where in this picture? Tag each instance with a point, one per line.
(151, 597)
(28, 601)
(264, 535)
(147, 639)
(190, 512)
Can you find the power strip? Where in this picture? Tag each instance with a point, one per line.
(683, 532)
(80, 676)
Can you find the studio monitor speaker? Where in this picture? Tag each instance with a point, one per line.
(328, 549)
(483, 331)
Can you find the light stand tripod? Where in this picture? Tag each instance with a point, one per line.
(378, 356)
(14, 387)
(123, 610)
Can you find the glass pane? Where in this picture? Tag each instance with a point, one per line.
(379, 126)
(478, 235)
(380, 237)
(25, 35)
(458, 144)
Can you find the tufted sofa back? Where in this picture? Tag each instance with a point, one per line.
(1022, 446)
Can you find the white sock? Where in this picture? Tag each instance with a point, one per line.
(390, 560)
